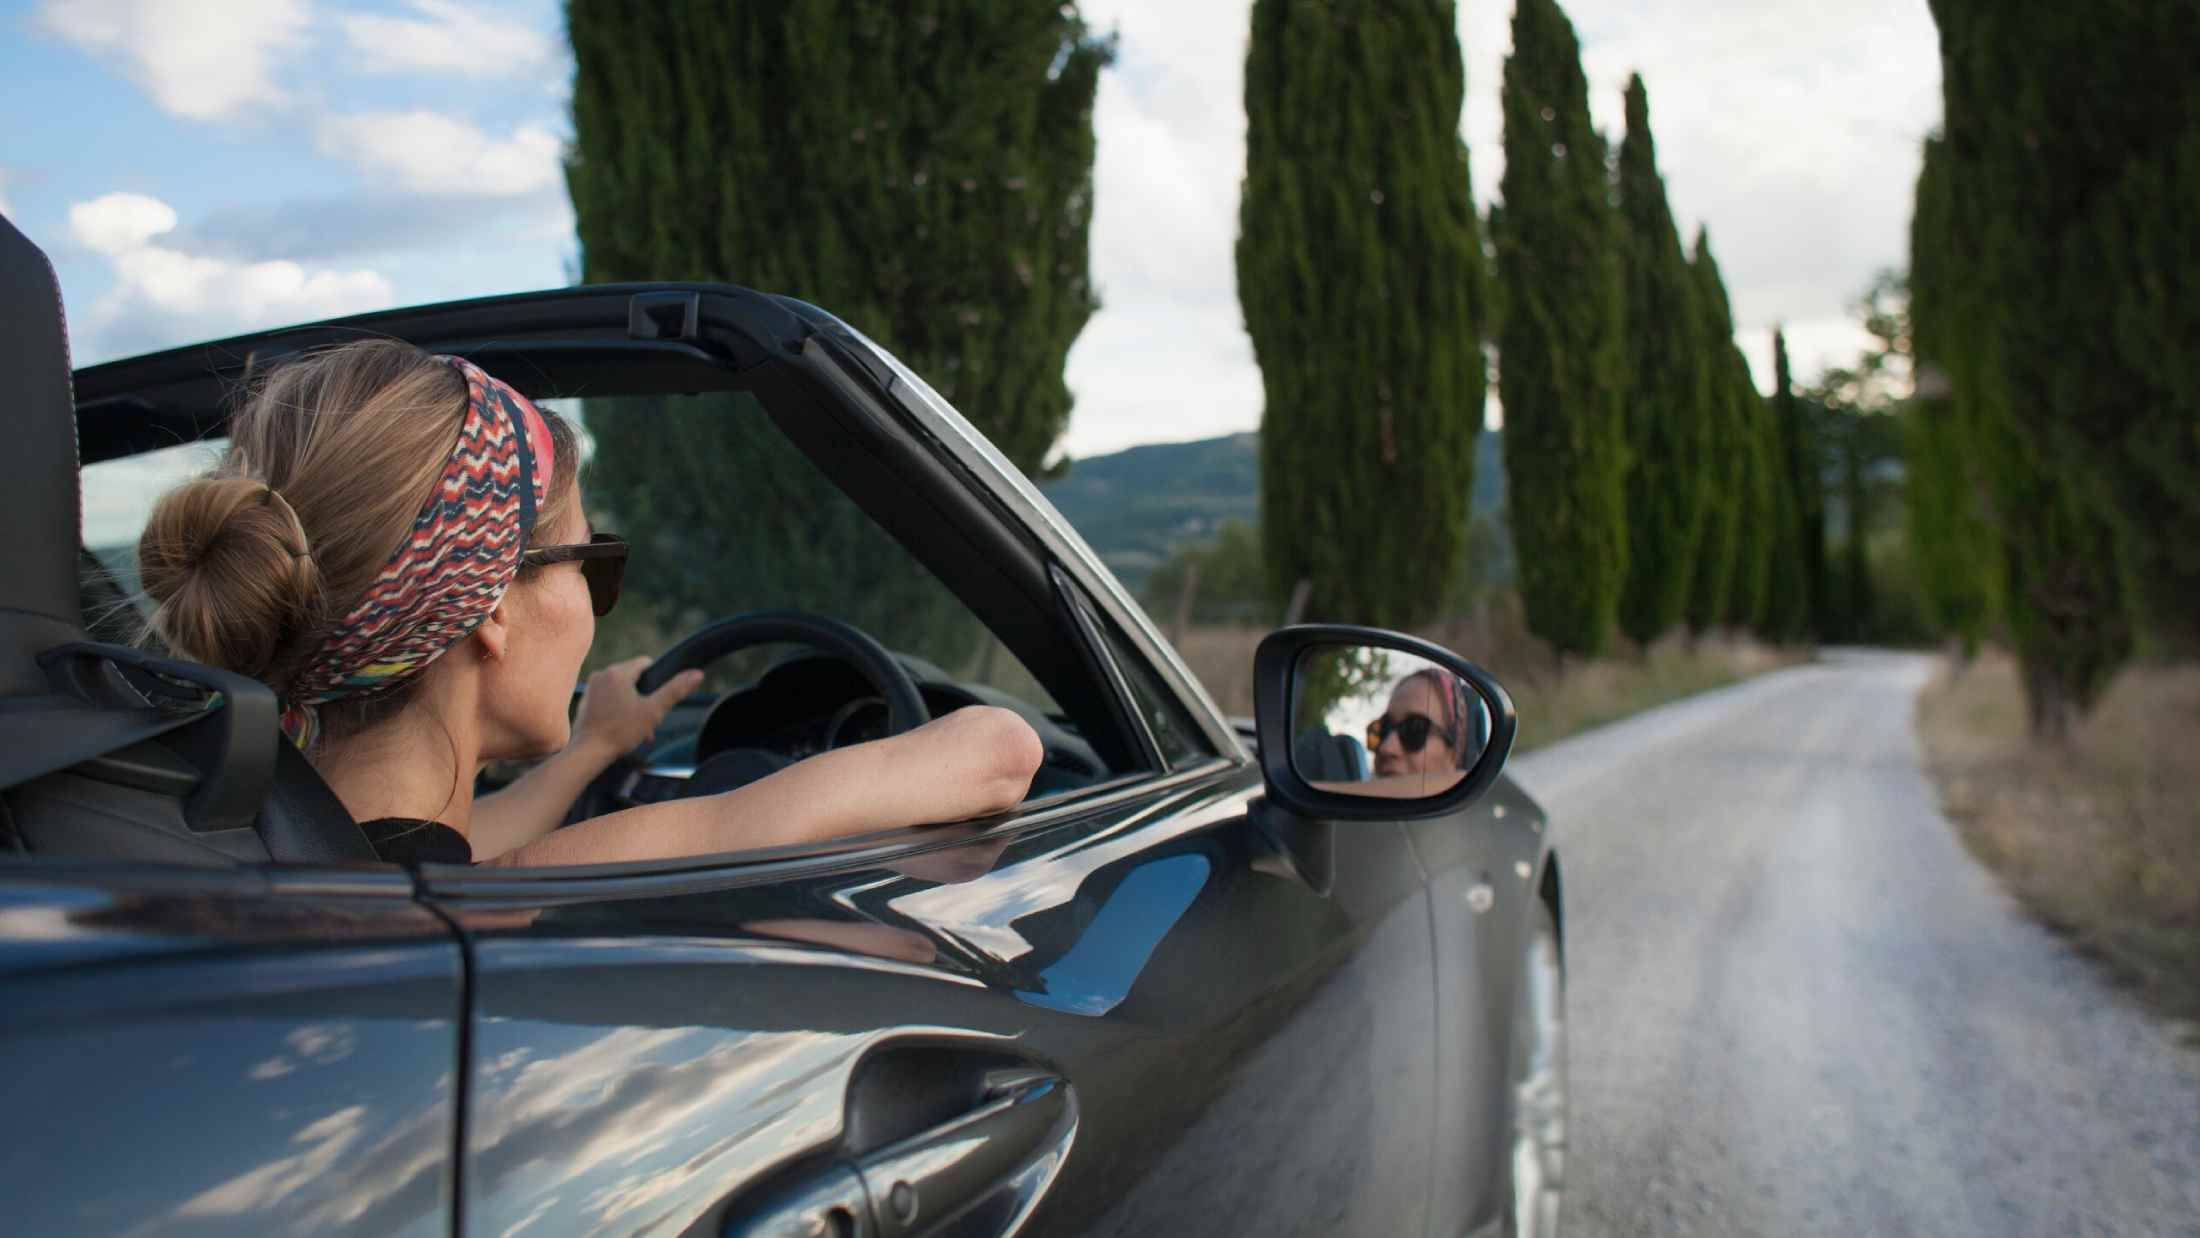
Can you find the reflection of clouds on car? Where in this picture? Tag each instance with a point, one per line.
(609, 1117)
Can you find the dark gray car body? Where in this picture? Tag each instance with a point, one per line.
(1201, 1039)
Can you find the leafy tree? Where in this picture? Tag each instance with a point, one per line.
(1361, 277)
(923, 171)
(1854, 421)
(1666, 413)
(1726, 454)
(1563, 348)
(1874, 387)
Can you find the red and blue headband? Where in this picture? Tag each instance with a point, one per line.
(454, 566)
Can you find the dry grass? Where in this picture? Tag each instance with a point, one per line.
(1554, 704)
(1553, 700)
(2100, 839)
(1222, 658)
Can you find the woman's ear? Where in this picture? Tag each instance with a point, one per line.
(495, 633)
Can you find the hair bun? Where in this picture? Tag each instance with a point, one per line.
(227, 565)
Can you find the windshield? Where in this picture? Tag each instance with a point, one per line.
(725, 516)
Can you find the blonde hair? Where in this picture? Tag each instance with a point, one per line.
(332, 456)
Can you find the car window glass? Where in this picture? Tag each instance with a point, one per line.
(1174, 730)
(725, 516)
(118, 498)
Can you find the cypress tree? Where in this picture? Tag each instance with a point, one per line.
(2054, 312)
(1796, 489)
(1757, 539)
(1809, 469)
(2080, 131)
(1665, 414)
(1855, 557)
(1951, 545)
(922, 171)
(1361, 277)
(1725, 453)
(1562, 347)
(788, 146)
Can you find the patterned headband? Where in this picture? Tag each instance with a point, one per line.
(1458, 706)
(452, 568)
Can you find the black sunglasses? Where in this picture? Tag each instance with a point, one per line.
(603, 566)
(1412, 730)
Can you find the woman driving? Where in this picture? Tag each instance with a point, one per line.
(395, 543)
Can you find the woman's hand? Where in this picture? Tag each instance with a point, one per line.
(615, 718)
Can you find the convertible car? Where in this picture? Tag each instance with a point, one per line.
(1206, 978)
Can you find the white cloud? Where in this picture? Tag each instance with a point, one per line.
(119, 221)
(7, 208)
(199, 61)
(1167, 356)
(447, 37)
(164, 296)
(431, 153)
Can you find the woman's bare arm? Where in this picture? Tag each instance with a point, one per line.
(537, 801)
(614, 718)
(970, 763)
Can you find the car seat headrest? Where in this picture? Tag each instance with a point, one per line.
(39, 504)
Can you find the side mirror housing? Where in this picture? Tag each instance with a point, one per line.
(1367, 724)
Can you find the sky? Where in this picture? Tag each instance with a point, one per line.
(200, 169)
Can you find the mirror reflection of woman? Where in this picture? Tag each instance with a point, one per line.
(1419, 730)
(1420, 743)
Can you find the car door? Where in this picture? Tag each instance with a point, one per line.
(221, 1051)
(661, 1052)
(1487, 865)
(1118, 1010)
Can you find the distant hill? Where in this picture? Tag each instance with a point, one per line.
(1139, 505)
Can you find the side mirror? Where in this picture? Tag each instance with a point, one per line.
(1364, 723)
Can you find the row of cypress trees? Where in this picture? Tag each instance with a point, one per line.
(1650, 485)
(925, 170)
(2055, 449)
(1717, 486)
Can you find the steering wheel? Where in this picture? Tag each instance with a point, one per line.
(726, 768)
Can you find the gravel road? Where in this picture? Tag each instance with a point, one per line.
(1799, 1006)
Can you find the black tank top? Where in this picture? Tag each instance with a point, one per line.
(413, 842)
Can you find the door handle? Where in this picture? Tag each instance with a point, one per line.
(998, 1158)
